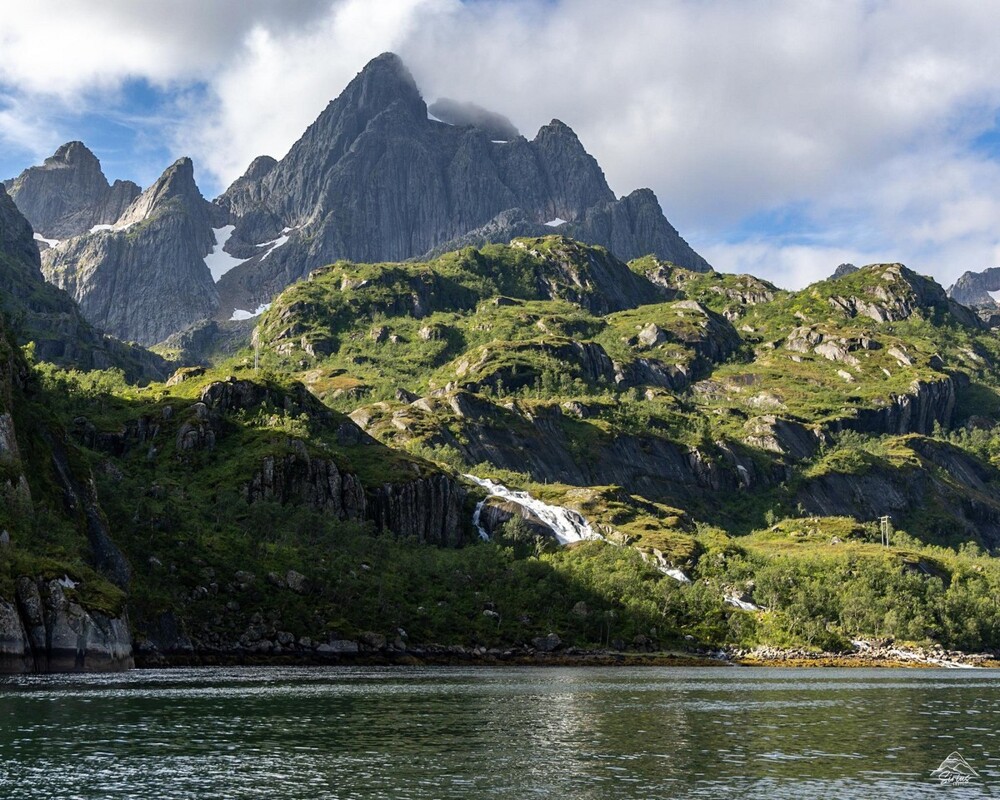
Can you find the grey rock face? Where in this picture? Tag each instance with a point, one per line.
(429, 509)
(68, 194)
(47, 316)
(973, 288)
(373, 179)
(635, 226)
(46, 631)
(146, 278)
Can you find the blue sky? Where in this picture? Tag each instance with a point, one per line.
(781, 137)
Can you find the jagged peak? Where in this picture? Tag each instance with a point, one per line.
(842, 271)
(176, 183)
(382, 81)
(73, 153)
(557, 128)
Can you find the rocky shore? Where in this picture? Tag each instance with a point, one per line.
(865, 654)
(374, 649)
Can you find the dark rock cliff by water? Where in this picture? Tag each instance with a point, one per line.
(47, 623)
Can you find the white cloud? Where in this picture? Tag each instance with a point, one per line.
(856, 114)
(20, 130)
(265, 97)
(788, 266)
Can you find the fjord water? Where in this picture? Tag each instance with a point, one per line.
(497, 733)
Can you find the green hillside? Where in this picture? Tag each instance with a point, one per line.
(310, 489)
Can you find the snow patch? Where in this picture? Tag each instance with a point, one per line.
(432, 118)
(98, 228)
(568, 525)
(67, 582)
(239, 313)
(552, 223)
(499, 141)
(274, 244)
(219, 262)
(49, 242)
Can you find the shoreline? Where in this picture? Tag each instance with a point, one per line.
(881, 658)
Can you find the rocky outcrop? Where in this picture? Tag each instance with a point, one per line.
(45, 630)
(319, 483)
(68, 194)
(550, 446)
(497, 512)
(783, 436)
(709, 335)
(589, 276)
(891, 292)
(946, 478)
(429, 509)
(926, 404)
(146, 277)
(376, 142)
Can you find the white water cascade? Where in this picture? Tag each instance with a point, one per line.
(568, 525)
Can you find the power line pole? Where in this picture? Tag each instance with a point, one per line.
(885, 527)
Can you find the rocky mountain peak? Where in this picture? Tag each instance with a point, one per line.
(893, 292)
(145, 282)
(842, 271)
(383, 81)
(176, 186)
(68, 194)
(73, 154)
(975, 289)
(295, 186)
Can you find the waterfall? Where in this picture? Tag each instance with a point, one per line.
(568, 525)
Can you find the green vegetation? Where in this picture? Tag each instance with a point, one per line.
(709, 423)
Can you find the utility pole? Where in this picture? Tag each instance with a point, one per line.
(885, 526)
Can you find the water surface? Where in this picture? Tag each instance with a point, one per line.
(437, 733)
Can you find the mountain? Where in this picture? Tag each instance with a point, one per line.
(145, 277)
(375, 178)
(733, 446)
(68, 194)
(976, 290)
(39, 312)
